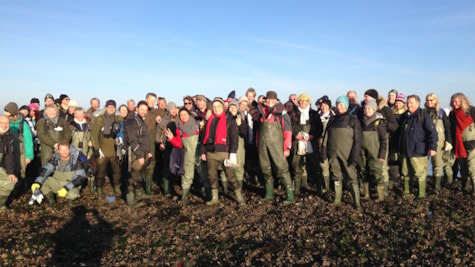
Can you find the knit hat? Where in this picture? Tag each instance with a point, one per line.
(62, 97)
(401, 97)
(218, 99)
(271, 95)
(33, 106)
(326, 101)
(25, 107)
(35, 100)
(171, 105)
(12, 108)
(201, 97)
(393, 91)
(372, 104)
(372, 92)
(111, 103)
(343, 99)
(304, 97)
(243, 99)
(49, 96)
(233, 102)
(73, 103)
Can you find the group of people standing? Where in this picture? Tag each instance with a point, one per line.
(64, 149)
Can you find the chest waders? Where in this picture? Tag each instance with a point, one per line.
(271, 153)
(437, 160)
(47, 151)
(469, 162)
(298, 162)
(369, 165)
(340, 142)
(189, 145)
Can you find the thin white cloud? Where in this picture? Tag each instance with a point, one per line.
(296, 46)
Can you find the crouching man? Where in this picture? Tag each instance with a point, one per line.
(62, 175)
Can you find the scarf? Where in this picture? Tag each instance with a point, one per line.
(462, 122)
(304, 115)
(80, 125)
(216, 127)
(189, 128)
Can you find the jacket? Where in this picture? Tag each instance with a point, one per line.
(420, 133)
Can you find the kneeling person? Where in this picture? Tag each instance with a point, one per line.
(62, 175)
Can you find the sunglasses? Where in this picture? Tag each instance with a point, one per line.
(188, 103)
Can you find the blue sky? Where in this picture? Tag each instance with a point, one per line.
(124, 49)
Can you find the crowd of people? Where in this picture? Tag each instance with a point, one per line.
(63, 149)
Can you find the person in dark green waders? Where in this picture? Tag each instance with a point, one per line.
(342, 144)
(274, 143)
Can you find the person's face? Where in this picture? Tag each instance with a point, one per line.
(162, 104)
(391, 98)
(243, 105)
(151, 101)
(456, 103)
(412, 105)
(430, 101)
(131, 105)
(270, 102)
(351, 98)
(64, 152)
(173, 111)
(304, 103)
(368, 111)
(324, 108)
(218, 108)
(4, 124)
(110, 109)
(399, 104)
(188, 104)
(24, 112)
(233, 110)
(367, 98)
(65, 101)
(142, 110)
(200, 103)
(95, 104)
(261, 100)
(49, 101)
(51, 113)
(340, 108)
(123, 111)
(251, 97)
(71, 109)
(293, 98)
(184, 116)
(79, 115)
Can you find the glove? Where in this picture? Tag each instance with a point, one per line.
(101, 155)
(232, 159)
(62, 192)
(448, 146)
(35, 186)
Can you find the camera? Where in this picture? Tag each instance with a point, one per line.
(210, 141)
(80, 144)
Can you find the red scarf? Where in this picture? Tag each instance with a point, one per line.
(221, 131)
(462, 122)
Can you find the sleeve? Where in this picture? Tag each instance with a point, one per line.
(383, 139)
(287, 131)
(233, 135)
(28, 141)
(242, 128)
(447, 128)
(46, 171)
(391, 122)
(431, 133)
(9, 158)
(133, 138)
(176, 140)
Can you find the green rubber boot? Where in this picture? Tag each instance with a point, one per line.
(225, 186)
(290, 194)
(356, 196)
(239, 197)
(437, 183)
(90, 183)
(422, 189)
(214, 198)
(304, 182)
(130, 198)
(366, 191)
(184, 197)
(148, 185)
(166, 186)
(100, 192)
(298, 184)
(380, 189)
(117, 190)
(269, 191)
(338, 194)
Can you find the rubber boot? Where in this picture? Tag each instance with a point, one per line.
(437, 183)
(326, 179)
(386, 189)
(356, 196)
(148, 185)
(380, 189)
(90, 181)
(117, 190)
(130, 198)
(338, 194)
(239, 197)
(422, 189)
(225, 186)
(366, 191)
(269, 191)
(184, 197)
(50, 198)
(214, 198)
(450, 179)
(406, 187)
(290, 194)
(304, 184)
(140, 194)
(298, 183)
(166, 186)
(3, 203)
(100, 192)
